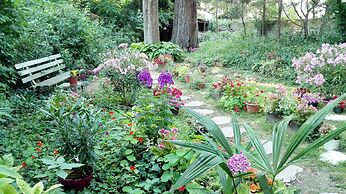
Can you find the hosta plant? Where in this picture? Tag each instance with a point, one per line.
(232, 160)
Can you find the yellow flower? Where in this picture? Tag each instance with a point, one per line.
(74, 73)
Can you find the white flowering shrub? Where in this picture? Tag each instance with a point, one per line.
(323, 71)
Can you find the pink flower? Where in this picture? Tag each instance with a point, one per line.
(161, 145)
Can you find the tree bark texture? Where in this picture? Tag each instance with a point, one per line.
(280, 5)
(185, 31)
(151, 21)
(264, 12)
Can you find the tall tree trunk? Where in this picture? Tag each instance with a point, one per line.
(151, 21)
(242, 16)
(279, 17)
(185, 29)
(264, 10)
(217, 16)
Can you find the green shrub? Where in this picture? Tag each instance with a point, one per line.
(156, 49)
(254, 52)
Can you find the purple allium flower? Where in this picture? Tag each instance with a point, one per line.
(165, 78)
(238, 163)
(145, 78)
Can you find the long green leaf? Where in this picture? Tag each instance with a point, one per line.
(196, 146)
(201, 165)
(259, 148)
(227, 188)
(318, 143)
(278, 140)
(212, 129)
(264, 183)
(236, 131)
(306, 128)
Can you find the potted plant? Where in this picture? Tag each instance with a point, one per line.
(255, 99)
(76, 125)
(332, 144)
(73, 79)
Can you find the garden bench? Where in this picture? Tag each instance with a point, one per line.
(47, 71)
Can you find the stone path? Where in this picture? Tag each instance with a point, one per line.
(204, 111)
(333, 117)
(289, 174)
(194, 104)
(333, 157)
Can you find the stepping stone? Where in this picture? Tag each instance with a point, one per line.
(289, 174)
(219, 76)
(185, 97)
(221, 120)
(268, 146)
(333, 157)
(194, 104)
(204, 111)
(228, 131)
(333, 117)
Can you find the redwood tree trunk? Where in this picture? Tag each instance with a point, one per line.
(185, 29)
(151, 21)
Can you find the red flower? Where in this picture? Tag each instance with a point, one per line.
(32, 157)
(262, 91)
(140, 139)
(114, 118)
(56, 152)
(24, 164)
(111, 113)
(131, 133)
(39, 143)
(159, 61)
(335, 97)
(342, 104)
(38, 149)
(129, 124)
(181, 189)
(132, 168)
(245, 108)
(236, 109)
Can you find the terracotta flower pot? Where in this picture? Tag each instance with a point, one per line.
(73, 80)
(252, 108)
(78, 184)
(201, 85)
(187, 79)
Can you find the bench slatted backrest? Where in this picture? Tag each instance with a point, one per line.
(32, 70)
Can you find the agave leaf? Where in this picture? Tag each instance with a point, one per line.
(212, 128)
(317, 143)
(278, 140)
(306, 128)
(197, 146)
(236, 131)
(259, 148)
(201, 165)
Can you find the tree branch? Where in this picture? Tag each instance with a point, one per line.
(289, 19)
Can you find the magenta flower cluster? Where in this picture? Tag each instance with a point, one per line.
(144, 77)
(165, 79)
(167, 134)
(238, 163)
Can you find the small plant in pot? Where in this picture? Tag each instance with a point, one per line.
(255, 100)
(333, 144)
(76, 126)
(73, 79)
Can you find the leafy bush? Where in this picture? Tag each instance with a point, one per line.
(156, 49)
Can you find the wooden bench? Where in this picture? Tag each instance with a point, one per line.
(47, 71)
